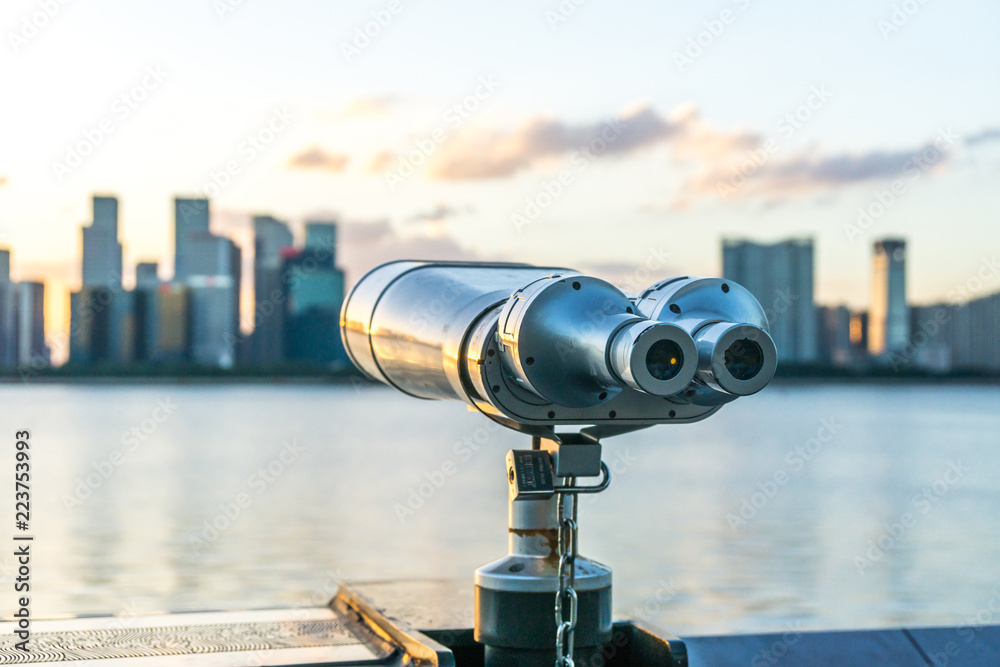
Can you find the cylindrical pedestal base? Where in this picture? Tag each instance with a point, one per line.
(516, 595)
(519, 657)
(519, 629)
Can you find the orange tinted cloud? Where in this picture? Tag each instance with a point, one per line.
(380, 162)
(315, 157)
(476, 153)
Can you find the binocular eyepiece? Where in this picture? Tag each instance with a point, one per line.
(533, 347)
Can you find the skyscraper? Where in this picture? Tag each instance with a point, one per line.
(102, 253)
(190, 220)
(780, 276)
(31, 348)
(214, 265)
(147, 275)
(888, 316)
(8, 313)
(100, 313)
(834, 335)
(211, 327)
(163, 323)
(270, 237)
(315, 293)
(321, 235)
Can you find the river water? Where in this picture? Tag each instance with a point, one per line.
(807, 506)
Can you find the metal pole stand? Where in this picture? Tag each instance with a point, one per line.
(542, 604)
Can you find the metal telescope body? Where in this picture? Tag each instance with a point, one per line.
(538, 347)
(534, 348)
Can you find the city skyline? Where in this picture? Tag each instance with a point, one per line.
(781, 274)
(693, 130)
(194, 316)
(223, 228)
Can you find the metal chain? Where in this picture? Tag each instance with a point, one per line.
(566, 599)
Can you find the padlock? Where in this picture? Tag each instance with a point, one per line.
(529, 474)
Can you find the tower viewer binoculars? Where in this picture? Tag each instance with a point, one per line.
(535, 347)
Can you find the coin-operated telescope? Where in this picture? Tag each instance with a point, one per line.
(535, 348)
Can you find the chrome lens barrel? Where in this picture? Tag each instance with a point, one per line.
(736, 355)
(654, 357)
(405, 323)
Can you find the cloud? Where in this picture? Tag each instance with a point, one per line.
(315, 157)
(359, 107)
(709, 158)
(380, 162)
(477, 153)
(742, 175)
(363, 107)
(439, 212)
(983, 136)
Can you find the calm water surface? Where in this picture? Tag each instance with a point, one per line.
(763, 517)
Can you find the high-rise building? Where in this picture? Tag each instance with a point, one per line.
(859, 332)
(162, 324)
(22, 320)
(834, 330)
(976, 334)
(101, 315)
(780, 276)
(212, 341)
(102, 253)
(190, 220)
(315, 293)
(147, 275)
(270, 237)
(888, 316)
(144, 306)
(932, 341)
(31, 348)
(321, 234)
(215, 261)
(8, 314)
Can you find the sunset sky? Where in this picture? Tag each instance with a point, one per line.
(598, 135)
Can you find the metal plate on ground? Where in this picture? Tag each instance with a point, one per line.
(311, 636)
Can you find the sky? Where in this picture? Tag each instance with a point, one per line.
(625, 139)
